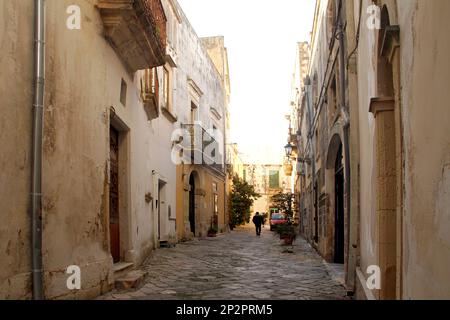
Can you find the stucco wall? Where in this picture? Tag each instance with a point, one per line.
(425, 96)
(195, 66)
(424, 76)
(15, 119)
(83, 80)
(367, 193)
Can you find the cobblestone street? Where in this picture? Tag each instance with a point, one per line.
(236, 266)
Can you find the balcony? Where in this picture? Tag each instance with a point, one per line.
(150, 93)
(136, 30)
(201, 148)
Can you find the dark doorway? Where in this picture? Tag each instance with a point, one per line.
(316, 213)
(114, 226)
(162, 209)
(158, 204)
(192, 203)
(339, 209)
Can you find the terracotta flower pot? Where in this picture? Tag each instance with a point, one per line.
(288, 240)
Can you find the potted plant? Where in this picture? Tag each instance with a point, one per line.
(212, 232)
(287, 233)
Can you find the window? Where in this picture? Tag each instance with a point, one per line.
(166, 89)
(194, 113)
(277, 216)
(213, 154)
(123, 93)
(274, 179)
(332, 98)
(172, 22)
(216, 204)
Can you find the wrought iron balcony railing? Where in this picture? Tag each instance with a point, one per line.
(200, 147)
(136, 30)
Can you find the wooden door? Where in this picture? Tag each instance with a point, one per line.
(114, 226)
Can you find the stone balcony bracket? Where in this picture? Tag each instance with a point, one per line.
(136, 29)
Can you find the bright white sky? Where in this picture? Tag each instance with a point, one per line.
(261, 37)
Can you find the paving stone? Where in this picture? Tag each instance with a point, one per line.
(167, 292)
(236, 266)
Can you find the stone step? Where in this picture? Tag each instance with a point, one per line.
(132, 280)
(166, 244)
(120, 266)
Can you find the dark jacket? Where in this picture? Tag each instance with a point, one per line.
(257, 220)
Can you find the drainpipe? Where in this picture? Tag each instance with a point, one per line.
(343, 103)
(36, 170)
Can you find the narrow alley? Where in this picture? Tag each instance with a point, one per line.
(236, 266)
(143, 141)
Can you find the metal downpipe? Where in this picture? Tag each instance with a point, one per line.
(36, 170)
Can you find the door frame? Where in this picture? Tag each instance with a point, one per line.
(124, 187)
(192, 204)
(339, 210)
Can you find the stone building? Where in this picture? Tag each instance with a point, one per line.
(293, 166)
(218, 53)
(375, 145)
(319, 140)
(116, 88)
(404, 147)
(235, 162)
(201, 94)
(101, 180)
(268, 180)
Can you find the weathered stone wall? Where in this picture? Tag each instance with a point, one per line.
(423, 254)
(196, 67)
(83, 80)
(425, 74)
(16, 84)
(368, 248)
(324, 105)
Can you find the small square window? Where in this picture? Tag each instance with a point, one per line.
(123, 93)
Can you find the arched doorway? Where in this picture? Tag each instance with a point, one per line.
(192, 203)
(336, 189)
(339, 226)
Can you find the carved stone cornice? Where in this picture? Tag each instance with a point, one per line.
(136, 31)
(381, 104)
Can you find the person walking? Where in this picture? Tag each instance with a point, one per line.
(258, 220)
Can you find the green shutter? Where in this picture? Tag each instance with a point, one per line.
(274, 179)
